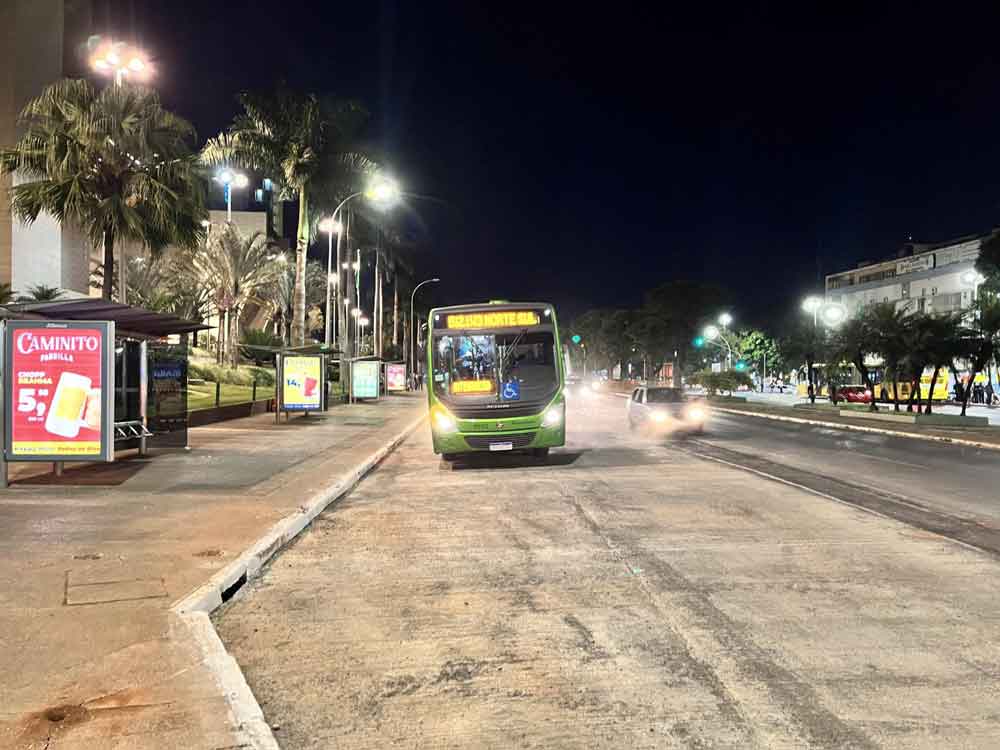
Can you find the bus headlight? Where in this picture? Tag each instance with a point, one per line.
(443, 421)
(553, 416)
(659, 416)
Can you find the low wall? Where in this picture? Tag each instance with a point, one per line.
(230, 411)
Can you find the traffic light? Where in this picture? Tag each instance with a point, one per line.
(576, 338)
(699, 342)
(741, 365)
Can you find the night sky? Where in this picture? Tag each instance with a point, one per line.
(583, 155)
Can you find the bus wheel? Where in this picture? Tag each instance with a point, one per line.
(542, 453)
(449, 457)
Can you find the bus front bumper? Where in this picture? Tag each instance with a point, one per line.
(521, 433)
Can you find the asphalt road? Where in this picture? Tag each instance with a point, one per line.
(633, 593)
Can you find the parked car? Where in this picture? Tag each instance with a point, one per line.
(664, 410)
(855, 394)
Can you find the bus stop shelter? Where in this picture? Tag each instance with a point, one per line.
(150, 366)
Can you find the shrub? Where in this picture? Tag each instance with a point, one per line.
(255, 345)
(713, 382)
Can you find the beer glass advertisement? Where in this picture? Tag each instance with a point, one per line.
(302, 385)
(395, 377)
(58, 380)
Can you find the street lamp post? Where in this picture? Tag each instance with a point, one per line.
(711, 333)
(331, 226)
(362, 322)
(413, 346)
(229, 180)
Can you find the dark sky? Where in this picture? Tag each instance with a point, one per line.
(586, 153)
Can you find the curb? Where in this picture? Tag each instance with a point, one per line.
(864, 428)
(194, 609)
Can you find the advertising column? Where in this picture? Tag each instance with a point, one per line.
(58, 391)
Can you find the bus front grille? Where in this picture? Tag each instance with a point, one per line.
(483, 442)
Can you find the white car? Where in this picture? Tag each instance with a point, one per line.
(665, 410)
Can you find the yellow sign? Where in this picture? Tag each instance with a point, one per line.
(493, 319)
(302, 384)
(472, 386)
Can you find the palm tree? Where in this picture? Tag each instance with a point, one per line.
(888, 326)
(236, 269)
(113, 162)
(41, 293)
(303, 144)
(852, 342)
(279, 295)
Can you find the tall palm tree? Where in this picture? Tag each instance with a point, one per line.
(299, 141)
(113, 162)
(236, 269)
(279, 295)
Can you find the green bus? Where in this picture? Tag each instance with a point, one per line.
(495, 378)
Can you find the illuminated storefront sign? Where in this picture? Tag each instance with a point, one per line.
(472, 386)
(59, 381)
(302, 383)
(493, 319)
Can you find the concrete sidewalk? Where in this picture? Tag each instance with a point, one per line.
(93, 653)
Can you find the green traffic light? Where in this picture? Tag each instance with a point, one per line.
(741, 365)
(576, 338)
(699, 342)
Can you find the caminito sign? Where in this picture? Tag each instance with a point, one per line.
(59, 390)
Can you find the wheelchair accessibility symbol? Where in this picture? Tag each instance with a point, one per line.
(511, 391)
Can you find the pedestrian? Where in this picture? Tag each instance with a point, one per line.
(988, 393)
(977, 393)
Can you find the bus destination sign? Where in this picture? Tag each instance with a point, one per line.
(493, 319)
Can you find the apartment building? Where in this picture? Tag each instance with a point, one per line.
(929, 277)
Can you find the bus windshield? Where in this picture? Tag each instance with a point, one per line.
(470, 366)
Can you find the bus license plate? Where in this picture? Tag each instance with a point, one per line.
(501, 446)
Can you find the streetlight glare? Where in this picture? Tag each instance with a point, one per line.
(383, 191)
(711, 333)
(241, 181)
(833, 314)
(225, 177)
(725, 319)
(331, 226)
(811, 304)
(121, 60)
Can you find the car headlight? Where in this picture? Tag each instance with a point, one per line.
(659, 416)
(443, 421)
(696, 414)
(553, 416)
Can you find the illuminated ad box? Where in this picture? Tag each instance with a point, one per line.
(302, 383)
(59, 391)
(395, 377)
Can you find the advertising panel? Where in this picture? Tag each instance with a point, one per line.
(395, 377)
(59, 385)
(302, 383)
(364, 379)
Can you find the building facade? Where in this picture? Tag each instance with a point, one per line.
(925, 277)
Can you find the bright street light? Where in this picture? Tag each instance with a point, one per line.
(833, 314)
(711, 333)
(384, 191)
(121, 60)
(230, 179)
(725, 319)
